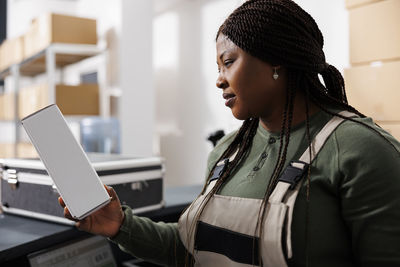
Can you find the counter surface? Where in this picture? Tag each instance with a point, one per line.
(20, 236)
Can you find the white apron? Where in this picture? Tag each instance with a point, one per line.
(227, 233)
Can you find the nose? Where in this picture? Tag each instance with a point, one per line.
(221, 82)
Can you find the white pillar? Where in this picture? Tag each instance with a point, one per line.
(136, 110)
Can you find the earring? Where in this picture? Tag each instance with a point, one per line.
(276, 75)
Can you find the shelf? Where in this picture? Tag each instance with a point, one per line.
(65, 54)
(46, 62)
(4, 73)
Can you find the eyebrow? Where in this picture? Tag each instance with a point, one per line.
(223, 53)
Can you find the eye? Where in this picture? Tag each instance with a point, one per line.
(228, 62)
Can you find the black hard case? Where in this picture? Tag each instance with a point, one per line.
(27, 189)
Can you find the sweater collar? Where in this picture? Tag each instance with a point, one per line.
(317, 120)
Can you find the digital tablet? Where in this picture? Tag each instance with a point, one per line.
(66, 162)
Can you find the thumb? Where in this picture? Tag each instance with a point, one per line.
(83, 225)
(111, 193)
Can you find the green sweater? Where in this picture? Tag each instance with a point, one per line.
(353, 215)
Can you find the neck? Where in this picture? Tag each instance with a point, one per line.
(273, 123)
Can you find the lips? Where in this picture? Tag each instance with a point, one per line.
(227, 95)
(230, 99)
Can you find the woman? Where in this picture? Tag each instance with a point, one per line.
(306, 181)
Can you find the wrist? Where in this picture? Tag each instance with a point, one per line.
(122, 219)
(120, 223)
(125, 227)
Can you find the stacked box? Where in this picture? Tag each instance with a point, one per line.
(26, 150)
(7, 150)
(357, 3)
(55, 28)
(7, 106)
(82, 99)
(373, 81)
(375, 90)
(31, 99)
(72, 100)
(11, 52)
(374, 32)
(391, 127)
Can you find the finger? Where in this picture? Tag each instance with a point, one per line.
(68, 215)
(61, 201)
(109, 189)
(83, 225)
(111, 193)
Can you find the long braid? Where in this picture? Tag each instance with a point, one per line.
(282, 133)
(280, 163)
(332, 97)
(279, 32)
(242, 143)
(281, 139)
(243, 131)
(307, 217)
(286, 134)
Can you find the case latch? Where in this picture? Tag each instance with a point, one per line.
(12, 178)
(139, 185)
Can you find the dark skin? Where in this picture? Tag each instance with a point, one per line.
(105, 222)
(250, 91)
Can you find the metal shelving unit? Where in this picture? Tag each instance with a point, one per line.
(56, 56)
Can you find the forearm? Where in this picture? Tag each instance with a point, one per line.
(155, 242)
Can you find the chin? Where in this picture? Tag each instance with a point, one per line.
(240, 116)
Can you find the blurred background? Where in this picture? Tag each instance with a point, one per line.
(137, 77)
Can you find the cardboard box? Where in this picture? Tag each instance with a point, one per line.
(7, 106)
(374, 32)
(72, 100)
(392, 127)
(7, 150)
(26, 150)
(56, 28)
(357, 3)
(374, 90)
(31, 99)
(11, 52)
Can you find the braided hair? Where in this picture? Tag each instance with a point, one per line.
(280, 32)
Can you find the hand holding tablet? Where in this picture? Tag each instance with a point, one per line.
(66, 162)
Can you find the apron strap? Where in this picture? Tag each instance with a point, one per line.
(290, 182)
(221, 167)
(322, 136)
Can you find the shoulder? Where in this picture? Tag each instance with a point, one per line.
(226, 140)
(369, 164)
(364, 136)
(366, 151)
